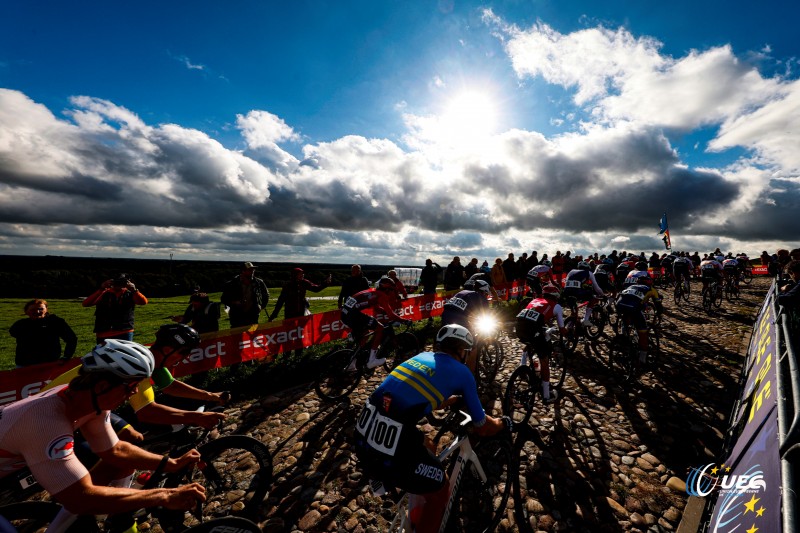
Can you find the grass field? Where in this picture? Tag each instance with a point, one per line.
(148, 318)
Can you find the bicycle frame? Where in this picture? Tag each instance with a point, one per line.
(466, 455)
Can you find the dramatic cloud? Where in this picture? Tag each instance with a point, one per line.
(100, 179)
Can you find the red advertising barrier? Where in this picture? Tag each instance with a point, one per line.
(228, 347)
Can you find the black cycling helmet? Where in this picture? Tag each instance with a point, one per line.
(583, 265)
(177, 336)
(641, 265)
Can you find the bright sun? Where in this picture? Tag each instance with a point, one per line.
(469, 117)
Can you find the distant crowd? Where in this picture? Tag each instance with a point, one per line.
(39, 337)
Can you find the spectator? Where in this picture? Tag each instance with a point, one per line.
(357, 282)
(558, 266)
(202, 314)
(485, 268)
(39, 336)
(471, 268)
(402, 293)
(454, 275)
(429, 277)
(497, 273)
(510, 268)
(293, 295)
(115, 302)
(522, 269)
(790, 292)
(765, 258)
(246, 295)
(533, 260)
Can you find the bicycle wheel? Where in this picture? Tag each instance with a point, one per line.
(336, 380)
(490, 354)
(404, 346)
(717, 297)
(653, 348)
(559, 359)
(678, 293)
(236, 471)
(624, 352)
(687, 290)
(520, 395)
(571, 337)
(479, 506)
(747, 276)
(707, 300)
(599, 320)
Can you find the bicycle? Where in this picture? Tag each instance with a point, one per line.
(730, 289)
(252, 476)
(624, 347)
(526, 382)
(712, 297)
(683, 289)
(574, 325)
(746, 275)
(490, 353)
(478, 500)
(337, 378)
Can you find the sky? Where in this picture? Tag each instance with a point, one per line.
(388, 131)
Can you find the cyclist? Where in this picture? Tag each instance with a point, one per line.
(681, 268)
(582, 285)
(538, 277)
(635, 275)
(173, 343)
(531, 329)
(465, 308)
(604, 274)
(730, 271)
(623, 269)
(38, 431)
(710, 270)
(482, 276)
(379, 300)
(426, 382)
(630, 305)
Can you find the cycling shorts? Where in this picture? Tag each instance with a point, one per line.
(532, 332)
(634, 312)
(581, 295)
(358, 322)
(394, 453)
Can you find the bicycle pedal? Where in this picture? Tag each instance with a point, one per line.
(377, 487)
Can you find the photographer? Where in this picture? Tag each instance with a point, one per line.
(115, 300)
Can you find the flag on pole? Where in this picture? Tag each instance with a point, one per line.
(666, 240)
(663, 226)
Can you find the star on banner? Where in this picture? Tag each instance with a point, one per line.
(714, 471)
(753, 529)
(751, 505)
(760, 512)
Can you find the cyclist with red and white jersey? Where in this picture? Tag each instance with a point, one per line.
(635, 276)
(38, 431)
(380, 300)
(710, 270)
(582, 285)
(730, 270)
(681, 268)
(532, 329)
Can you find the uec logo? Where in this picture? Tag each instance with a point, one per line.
(701, 484)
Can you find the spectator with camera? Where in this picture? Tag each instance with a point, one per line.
(115, 303)
(39, 336)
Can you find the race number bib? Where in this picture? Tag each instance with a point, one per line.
(382, 433)
(457, 302)
(529, 314)
(350, 302)
(634, 292)
(572, 284)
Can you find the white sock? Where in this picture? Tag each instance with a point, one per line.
(588, 314)
(546, 389)
(373, 354)
(524, 359)
(62, 521)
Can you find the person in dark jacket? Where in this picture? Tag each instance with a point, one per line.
(39, 336)
(293, 295)
(454, 275)
(202, 314)
(116, 300)
(357, 282)
(246, 295)
(789, 295)
(429, 277)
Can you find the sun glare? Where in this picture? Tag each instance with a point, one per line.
(470, 116)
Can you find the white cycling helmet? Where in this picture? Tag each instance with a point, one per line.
(455, 333)
(126, 359)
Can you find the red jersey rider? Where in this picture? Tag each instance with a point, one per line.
(381, 300)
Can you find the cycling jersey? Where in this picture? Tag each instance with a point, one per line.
(634, 277)
(632, 301)
(532, 320)
(540, 272)
(38, 432)
(710, 268)
(582, 285)
(463, 306)
(388, 444)
(353, 307)
(731, 265)
(681, 264)
(161, 378)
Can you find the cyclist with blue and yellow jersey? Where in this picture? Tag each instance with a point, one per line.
(631, 304)
(389, 445)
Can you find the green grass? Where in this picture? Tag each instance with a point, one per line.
(148, 318)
